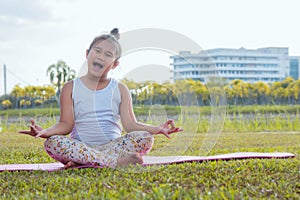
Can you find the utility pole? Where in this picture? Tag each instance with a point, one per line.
(4, 68)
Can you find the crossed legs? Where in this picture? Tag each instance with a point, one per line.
(124, 150)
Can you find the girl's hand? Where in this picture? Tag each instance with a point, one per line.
(35, 130)
(168, 128)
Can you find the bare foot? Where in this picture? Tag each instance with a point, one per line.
(130, 158)
(70, 164)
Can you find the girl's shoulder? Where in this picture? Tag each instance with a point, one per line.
(68, 86)
(123, 89)
(69, 83)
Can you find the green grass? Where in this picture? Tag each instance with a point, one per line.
(254, 178)
(170, 110)
(236, 179)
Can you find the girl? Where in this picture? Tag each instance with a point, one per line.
(90, 108)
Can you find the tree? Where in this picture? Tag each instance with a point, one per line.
(261, 92)
(200, 91)
(59, 74)
(133, 89)
(48, 93)
(293, 91)
(18, 93)
(30, 94)
(238, 91)
(171, 98)
(277, 92)
(6, 104)
(234, 90)
(185, 93)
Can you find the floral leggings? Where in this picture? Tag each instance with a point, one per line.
(63, 149)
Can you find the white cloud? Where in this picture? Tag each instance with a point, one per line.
(32, 10)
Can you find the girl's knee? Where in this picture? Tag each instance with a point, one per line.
(53, 140)
(54, 146)
(143, 140)
(149, 139)
(149, 142)
(142, 135)
(56, 141)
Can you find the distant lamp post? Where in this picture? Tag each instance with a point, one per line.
(4, 74)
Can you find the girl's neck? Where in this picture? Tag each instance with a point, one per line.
(95, 82)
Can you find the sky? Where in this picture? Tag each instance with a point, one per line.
(35, 34)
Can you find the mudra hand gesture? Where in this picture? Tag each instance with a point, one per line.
(168, 128)
(35, 130)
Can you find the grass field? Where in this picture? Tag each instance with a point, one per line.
(237, 179)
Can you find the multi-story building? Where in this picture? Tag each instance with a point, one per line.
(251, 65)
(294, 67)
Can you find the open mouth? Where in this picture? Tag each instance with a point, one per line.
(98, 65)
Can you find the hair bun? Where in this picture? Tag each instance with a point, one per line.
(115, 32)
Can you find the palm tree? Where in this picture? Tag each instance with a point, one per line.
(18, 93)
(48, 93)
(288, 80)
(59, 74)
(159, 93)
(200, 90)
(31, 92)
(261, 92)
(293, 91)
(170, 93)
(235, 90)
(6, 104)
(184, 92)
(244, 92)
(277, 92)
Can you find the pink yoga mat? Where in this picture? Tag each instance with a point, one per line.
(154, 160)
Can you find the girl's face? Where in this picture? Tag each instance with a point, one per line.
(101, 58)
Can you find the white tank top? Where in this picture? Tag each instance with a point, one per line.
(96, 113)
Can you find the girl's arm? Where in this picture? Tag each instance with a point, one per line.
(130, 123)
(66, 121)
